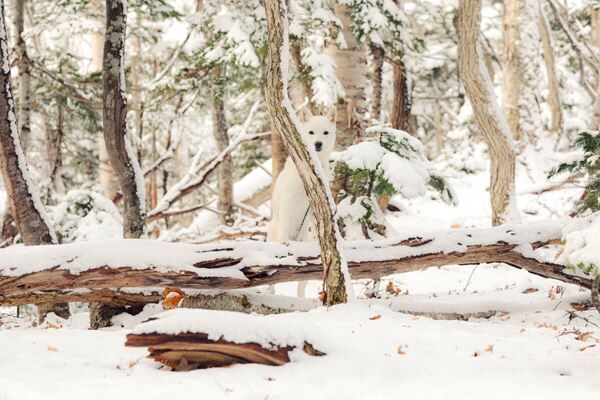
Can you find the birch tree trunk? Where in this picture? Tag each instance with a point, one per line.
(106, 174)
(25, 204)
(336, 279)
(351, 62)
(24, 65)
(490, 120)
(225, 169)
(556, 124)
(521, 69)
(511, 74)
(120, 152)
(378, 55)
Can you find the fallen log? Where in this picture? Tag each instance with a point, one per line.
(191, 339)
(43, 273)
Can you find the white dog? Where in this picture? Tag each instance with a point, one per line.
(291, 215)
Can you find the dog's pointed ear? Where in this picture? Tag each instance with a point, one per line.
(305, 114)
(332, 113)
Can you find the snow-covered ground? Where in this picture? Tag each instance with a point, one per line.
(538, 344)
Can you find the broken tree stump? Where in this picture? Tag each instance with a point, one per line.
(185, 339)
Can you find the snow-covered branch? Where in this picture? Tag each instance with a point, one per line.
(47, 271)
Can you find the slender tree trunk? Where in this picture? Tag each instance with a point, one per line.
(511, 71)
(25, 204)
(24, 65)
(351, 62)
(225, 169)
(54, 139)
(490, 120)
(596, 42)
(106, 174)
(336, 279)
(120, 152)
(401, 106)
(378, 55)
(556, 125)
(521, 66)
(301, 88)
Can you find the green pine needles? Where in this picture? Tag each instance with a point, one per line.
(589, 142)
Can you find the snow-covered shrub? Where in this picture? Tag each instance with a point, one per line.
(589, 142)
(582, 245)
(388, 162)
(85, 215)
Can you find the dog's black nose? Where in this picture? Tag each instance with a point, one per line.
(318, 146)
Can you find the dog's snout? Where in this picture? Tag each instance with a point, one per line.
(318, 146)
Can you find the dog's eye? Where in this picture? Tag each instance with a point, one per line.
(311, 133)
(325, 133)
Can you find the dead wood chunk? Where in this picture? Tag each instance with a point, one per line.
(188, 351)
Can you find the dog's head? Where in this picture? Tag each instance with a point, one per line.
(320, 131)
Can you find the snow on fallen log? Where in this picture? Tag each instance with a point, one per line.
(185, 339)
(50, 270)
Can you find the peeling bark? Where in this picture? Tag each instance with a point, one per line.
(120, 152)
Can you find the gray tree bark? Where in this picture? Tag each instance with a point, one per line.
(315, 185)
(120, 152)
(490, 120)
(225, 169)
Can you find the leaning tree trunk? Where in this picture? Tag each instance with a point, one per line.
(490, 120)
(120, 152)
(24, 114)
(25, 205)
(336, 280)
(556, 125)
(225, 169)
(351, 64)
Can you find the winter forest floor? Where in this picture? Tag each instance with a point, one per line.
(538, 344)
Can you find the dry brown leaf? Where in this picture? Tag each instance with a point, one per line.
(490, 348)
(171, 298)
(52, 349)
(580, 306)
(52, 326)
(374, 317)
(583, 336)
(400, 351)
